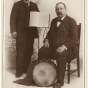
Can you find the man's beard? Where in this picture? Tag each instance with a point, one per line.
(60, 14)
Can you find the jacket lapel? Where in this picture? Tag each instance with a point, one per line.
(64, 22)
(25, 4)
(53, 27)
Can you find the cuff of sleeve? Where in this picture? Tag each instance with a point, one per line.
(64, 47)
(45, 40)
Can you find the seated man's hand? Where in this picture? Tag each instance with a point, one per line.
(60, 49)
(14, 34)
(46, 44)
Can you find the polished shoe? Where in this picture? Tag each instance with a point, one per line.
(25, 71)
(58, 85)
(19, 74)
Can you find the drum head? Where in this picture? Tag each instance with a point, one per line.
(44, 74)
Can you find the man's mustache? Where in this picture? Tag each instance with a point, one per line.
(59, 13)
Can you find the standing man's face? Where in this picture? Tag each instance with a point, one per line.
(27, 0)
(60, 10)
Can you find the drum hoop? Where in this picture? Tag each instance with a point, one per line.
(44, 60)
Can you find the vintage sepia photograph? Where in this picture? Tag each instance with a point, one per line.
(44, 44)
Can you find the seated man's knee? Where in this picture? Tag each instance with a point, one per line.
(41, 53)
(44, 53)
(41, 50)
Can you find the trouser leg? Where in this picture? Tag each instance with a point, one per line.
(45, 53)
(24, 46)
(61, 65)
(28, 53)
(20, 48)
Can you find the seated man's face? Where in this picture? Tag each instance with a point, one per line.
(60, 10)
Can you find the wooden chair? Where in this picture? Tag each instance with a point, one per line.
(69, 60)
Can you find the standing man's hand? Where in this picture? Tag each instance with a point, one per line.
(14, 34)
(46, 44)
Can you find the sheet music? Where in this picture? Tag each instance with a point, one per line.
(38, 19)
(34, 19)
(44, 20)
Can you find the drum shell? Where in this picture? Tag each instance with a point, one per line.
(49, 68)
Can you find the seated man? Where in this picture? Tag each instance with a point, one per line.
(60, 41)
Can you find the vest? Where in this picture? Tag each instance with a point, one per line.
(59, 36)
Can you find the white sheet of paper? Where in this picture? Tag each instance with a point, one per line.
(38, 19)
(34, 19)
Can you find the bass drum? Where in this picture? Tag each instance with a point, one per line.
(44, 73)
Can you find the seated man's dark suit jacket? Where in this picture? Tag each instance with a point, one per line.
(68, 35)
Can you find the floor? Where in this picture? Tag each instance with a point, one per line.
(75, 82)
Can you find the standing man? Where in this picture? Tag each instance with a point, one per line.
(60, 41)
(24, 35)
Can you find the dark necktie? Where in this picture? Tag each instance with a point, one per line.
(59, 20)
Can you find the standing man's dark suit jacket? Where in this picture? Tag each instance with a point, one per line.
(68, 35)
(19, 21)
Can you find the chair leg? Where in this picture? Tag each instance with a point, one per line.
(68, 74)
(78, 66)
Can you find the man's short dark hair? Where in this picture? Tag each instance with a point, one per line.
(61, 3)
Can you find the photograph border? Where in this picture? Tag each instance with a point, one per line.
(3, 43)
